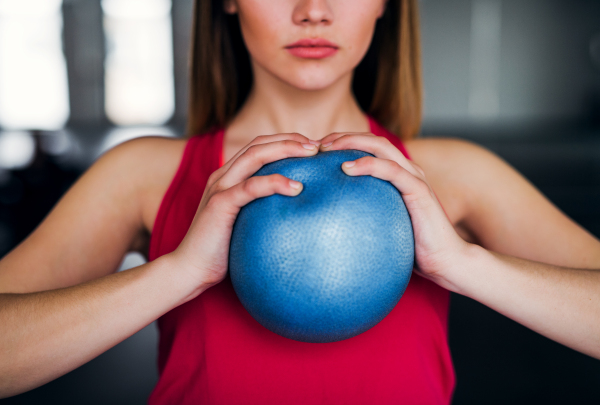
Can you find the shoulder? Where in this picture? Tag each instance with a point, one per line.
(145, 152)
(451, 150)
(146, 166)
(99, 219)
(456, 159)
(498, 208)
(461, 172)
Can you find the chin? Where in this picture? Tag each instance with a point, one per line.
(311, 79)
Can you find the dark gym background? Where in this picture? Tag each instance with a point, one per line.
(520, 77)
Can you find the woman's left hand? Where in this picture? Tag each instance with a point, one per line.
(558, 302)
(438, 248)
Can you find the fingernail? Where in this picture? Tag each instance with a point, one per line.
(314, 142)
(308, 146)
(325, 145)
(295, 184)
(349, 164)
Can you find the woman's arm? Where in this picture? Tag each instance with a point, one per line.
(51, 325)
(538, 267)
(99, 219)
(552, 287)
(498, 208)
(560, 303)
(508, 214)
(47, 334)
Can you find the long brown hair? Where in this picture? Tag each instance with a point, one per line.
(386, 83)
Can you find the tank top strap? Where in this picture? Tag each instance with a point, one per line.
(201, 157)
(379, 130)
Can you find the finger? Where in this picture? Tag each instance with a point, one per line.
(250, 189)
(294, 136)
(262, 139)
(258, 155)
(410, 186)
(335, 135)
(379, 146)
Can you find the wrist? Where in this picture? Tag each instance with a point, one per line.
(186, 279)
(461, 276)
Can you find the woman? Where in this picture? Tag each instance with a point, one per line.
(306, 80)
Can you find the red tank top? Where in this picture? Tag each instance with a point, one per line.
(212, 351)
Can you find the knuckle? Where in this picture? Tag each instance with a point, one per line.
(280, 179)
(213, 177)
(275, 180)
(250, 185)
(217, 187)
(382, 140)
(396, 168)
(367, 161)
(215, 200)
(422, 186)
(297, 137)
(290, 146)
(288, 143)
(253, 151)
(419, 169)
(339, 140)
(291, 135)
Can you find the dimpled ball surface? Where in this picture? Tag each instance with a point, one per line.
(328, 264)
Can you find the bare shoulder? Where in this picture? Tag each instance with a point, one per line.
(109, 211)
(145, 153)
(495, 206)
(148, 164)
(450, 154)
(457, 168)
(450, 162)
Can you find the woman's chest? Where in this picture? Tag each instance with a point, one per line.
(450, 198)
(173, 155)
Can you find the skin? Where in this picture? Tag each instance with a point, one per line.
(61, 304)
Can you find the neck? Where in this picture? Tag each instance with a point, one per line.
(274, 106)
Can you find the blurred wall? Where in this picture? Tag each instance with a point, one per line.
(484, 61)
(540, 66)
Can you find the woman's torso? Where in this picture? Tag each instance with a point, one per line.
(212, 350)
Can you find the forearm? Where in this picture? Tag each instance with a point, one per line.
(560, 303)
(47, 334)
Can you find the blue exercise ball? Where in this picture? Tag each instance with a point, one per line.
(329, 263)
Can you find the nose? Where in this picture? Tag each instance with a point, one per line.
(312, 12)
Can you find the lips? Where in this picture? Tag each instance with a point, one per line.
(312, 48)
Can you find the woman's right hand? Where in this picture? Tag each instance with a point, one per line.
(203, 254)
(54, 321)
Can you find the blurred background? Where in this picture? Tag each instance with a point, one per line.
(520, 77)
